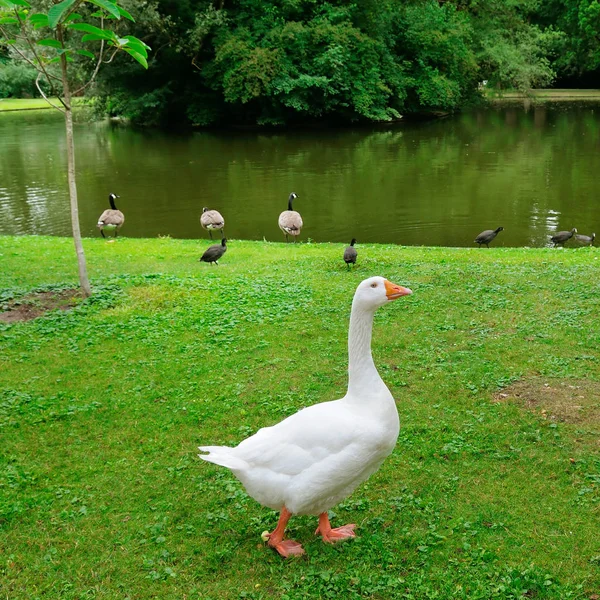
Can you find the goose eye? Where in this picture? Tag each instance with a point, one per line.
(373, 285)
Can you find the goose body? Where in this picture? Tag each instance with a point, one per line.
(562, 236)
(586, 240)
(111, 219)
(350, 253)
(212, 219)
(485, 237)
(290, 221)
(213, 253)
(315, 458)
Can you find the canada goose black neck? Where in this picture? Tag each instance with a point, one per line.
(224, 242)
(353, 241)
(111, 199)
(292, 197)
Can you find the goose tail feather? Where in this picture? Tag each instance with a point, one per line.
(221, 455)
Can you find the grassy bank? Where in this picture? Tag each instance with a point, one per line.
(544, 94)
(491, 492)
(8, 104)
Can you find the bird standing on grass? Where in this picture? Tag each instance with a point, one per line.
(485, 237)
(212, 219)
(213, 253)
(290, 221)
(111, 218)
(350, 254)
(562, 236)
(312, 460)
(586, 240)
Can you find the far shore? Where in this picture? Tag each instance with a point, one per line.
(555, 95)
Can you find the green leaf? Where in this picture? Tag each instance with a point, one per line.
(13, 3)
(73, 17)
(125, 14)
(107, 6)
(39, 20)
(136, 45)
(9, 21)
(86, 53)
(50, 42)
(57, 11)
(92, 37)
(102, 34)
(101, 14)
(139, 57)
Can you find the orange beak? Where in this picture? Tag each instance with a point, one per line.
(394, 291)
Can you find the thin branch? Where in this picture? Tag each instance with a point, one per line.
(35, 54)
(112, 56)
(37, 85)
(100, 56)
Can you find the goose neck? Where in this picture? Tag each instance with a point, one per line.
(112, 202)
(362, 373)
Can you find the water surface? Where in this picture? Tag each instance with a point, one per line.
(532, 170)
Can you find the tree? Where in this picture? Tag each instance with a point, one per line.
(51, 39)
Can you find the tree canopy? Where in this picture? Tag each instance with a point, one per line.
(295, 61)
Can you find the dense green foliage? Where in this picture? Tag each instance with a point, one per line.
(101, 410)
(271, 62)
(296, 61)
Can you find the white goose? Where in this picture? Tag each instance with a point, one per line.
(310, 461)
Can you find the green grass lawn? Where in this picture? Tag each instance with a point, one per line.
(8, 104)
(488, 494)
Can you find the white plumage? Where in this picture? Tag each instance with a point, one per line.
(312, 460)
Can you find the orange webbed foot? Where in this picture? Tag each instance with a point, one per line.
(330, 535)
(275, 539)
(288, 548)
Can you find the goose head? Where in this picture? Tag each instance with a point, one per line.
(205, 209)
(353, 241)
(111, 199)
(574, 230)
(224, 242)
(499, 229)
(377, 291)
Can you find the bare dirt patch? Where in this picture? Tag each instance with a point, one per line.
(565, 400)
(36, 304)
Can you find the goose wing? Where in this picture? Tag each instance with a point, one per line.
(111, 217)
(290, 221)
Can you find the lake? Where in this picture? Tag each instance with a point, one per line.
(531, 169)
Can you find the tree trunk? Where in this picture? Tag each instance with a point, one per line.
(84, 282)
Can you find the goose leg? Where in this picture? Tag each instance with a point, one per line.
(331, 535)
(276, 541)
(210, 233)
(102, 232)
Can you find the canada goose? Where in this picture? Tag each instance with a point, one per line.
(111, 218)
(290, 221)
(350, 253)
(485, 237)
(586, 240)
(562, 236)
(212, 219)
(213, 253)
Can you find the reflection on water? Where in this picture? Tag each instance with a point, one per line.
(532, 170)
